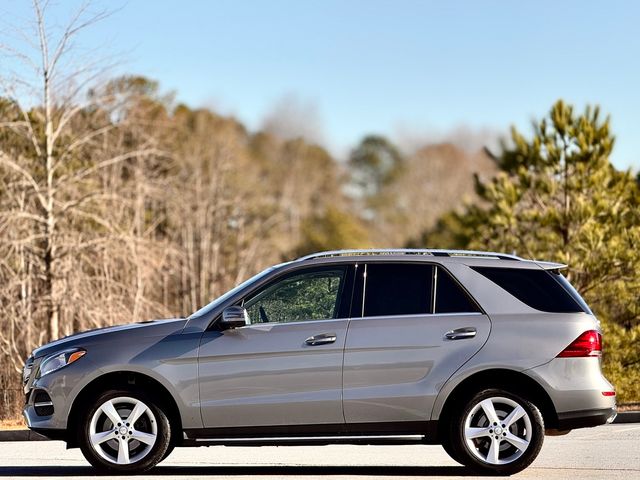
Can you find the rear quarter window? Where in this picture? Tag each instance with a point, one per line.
(538, 289)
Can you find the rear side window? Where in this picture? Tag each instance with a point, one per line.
(397, 289)
(449, 297)
(538, 289)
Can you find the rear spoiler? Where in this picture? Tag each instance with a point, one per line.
(550, 265)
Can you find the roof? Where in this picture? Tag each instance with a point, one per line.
(411, 251)
(427, 252)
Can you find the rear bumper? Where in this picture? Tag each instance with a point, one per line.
(577, 388)
(586, 418)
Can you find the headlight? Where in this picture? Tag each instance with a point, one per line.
(26, 374)
(26, 371)
(60, 359)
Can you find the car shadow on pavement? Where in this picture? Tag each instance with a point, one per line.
(248, 470)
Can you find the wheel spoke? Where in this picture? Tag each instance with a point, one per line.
(100, 432)
(514, 416)
(101, 437)
(494, 451)
(144, 437)
(489, 410)
(512, 434)
(476, 432)
(136, 413)
(519, 443)
(111, 412)
(123, 451)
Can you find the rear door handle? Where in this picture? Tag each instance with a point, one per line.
(321, 339)
(461, 333)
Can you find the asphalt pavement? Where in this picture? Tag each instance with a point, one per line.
(607, 452)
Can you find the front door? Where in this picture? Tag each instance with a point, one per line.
(414, 329)
(285, 368)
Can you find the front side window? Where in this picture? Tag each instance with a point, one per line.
(306, 296)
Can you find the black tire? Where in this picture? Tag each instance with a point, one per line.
(448, 447)
(169, 450)
(477, 456)
(150, 455)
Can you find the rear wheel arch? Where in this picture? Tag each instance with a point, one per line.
(509, 380)
(124, 380)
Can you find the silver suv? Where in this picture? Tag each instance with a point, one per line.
(480, 352)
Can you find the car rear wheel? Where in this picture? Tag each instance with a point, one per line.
(497, 432)
(448, 447)
(124, 432)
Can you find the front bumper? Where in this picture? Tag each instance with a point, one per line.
(41, 413)
(47, 420)
(48, 398)
(39, 410)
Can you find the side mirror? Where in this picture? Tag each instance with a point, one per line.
(234, 317)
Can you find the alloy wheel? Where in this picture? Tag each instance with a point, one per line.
(123, 430)
(497, 430)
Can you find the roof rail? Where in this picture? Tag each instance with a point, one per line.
(410, 251)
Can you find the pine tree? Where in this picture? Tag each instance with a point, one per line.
(557, 197)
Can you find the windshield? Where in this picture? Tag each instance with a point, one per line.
(209, 307)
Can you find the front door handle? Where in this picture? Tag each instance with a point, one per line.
(461, 333)
(321, 339)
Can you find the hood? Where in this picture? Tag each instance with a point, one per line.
(146, 329)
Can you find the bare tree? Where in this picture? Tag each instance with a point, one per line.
(64, 117)
(116, 205)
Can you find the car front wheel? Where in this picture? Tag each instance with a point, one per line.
(124, 432)
(497, 432)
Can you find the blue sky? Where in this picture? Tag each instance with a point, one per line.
(402, 68)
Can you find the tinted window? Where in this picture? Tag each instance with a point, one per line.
(397, 289)
(306, 296)
(537, 288)
(569, 288)
(449, 295)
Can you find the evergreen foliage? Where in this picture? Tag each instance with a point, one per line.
(558, 198)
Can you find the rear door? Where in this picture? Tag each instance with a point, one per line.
(413, 327)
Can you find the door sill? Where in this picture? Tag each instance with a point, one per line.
(325, 440)
(322, 434)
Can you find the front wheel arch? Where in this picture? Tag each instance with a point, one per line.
(124, 380)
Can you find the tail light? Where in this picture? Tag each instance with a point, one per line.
(588, 344)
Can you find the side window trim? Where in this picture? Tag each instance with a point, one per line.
(364, 289)
(434, 288)
(409, 315)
